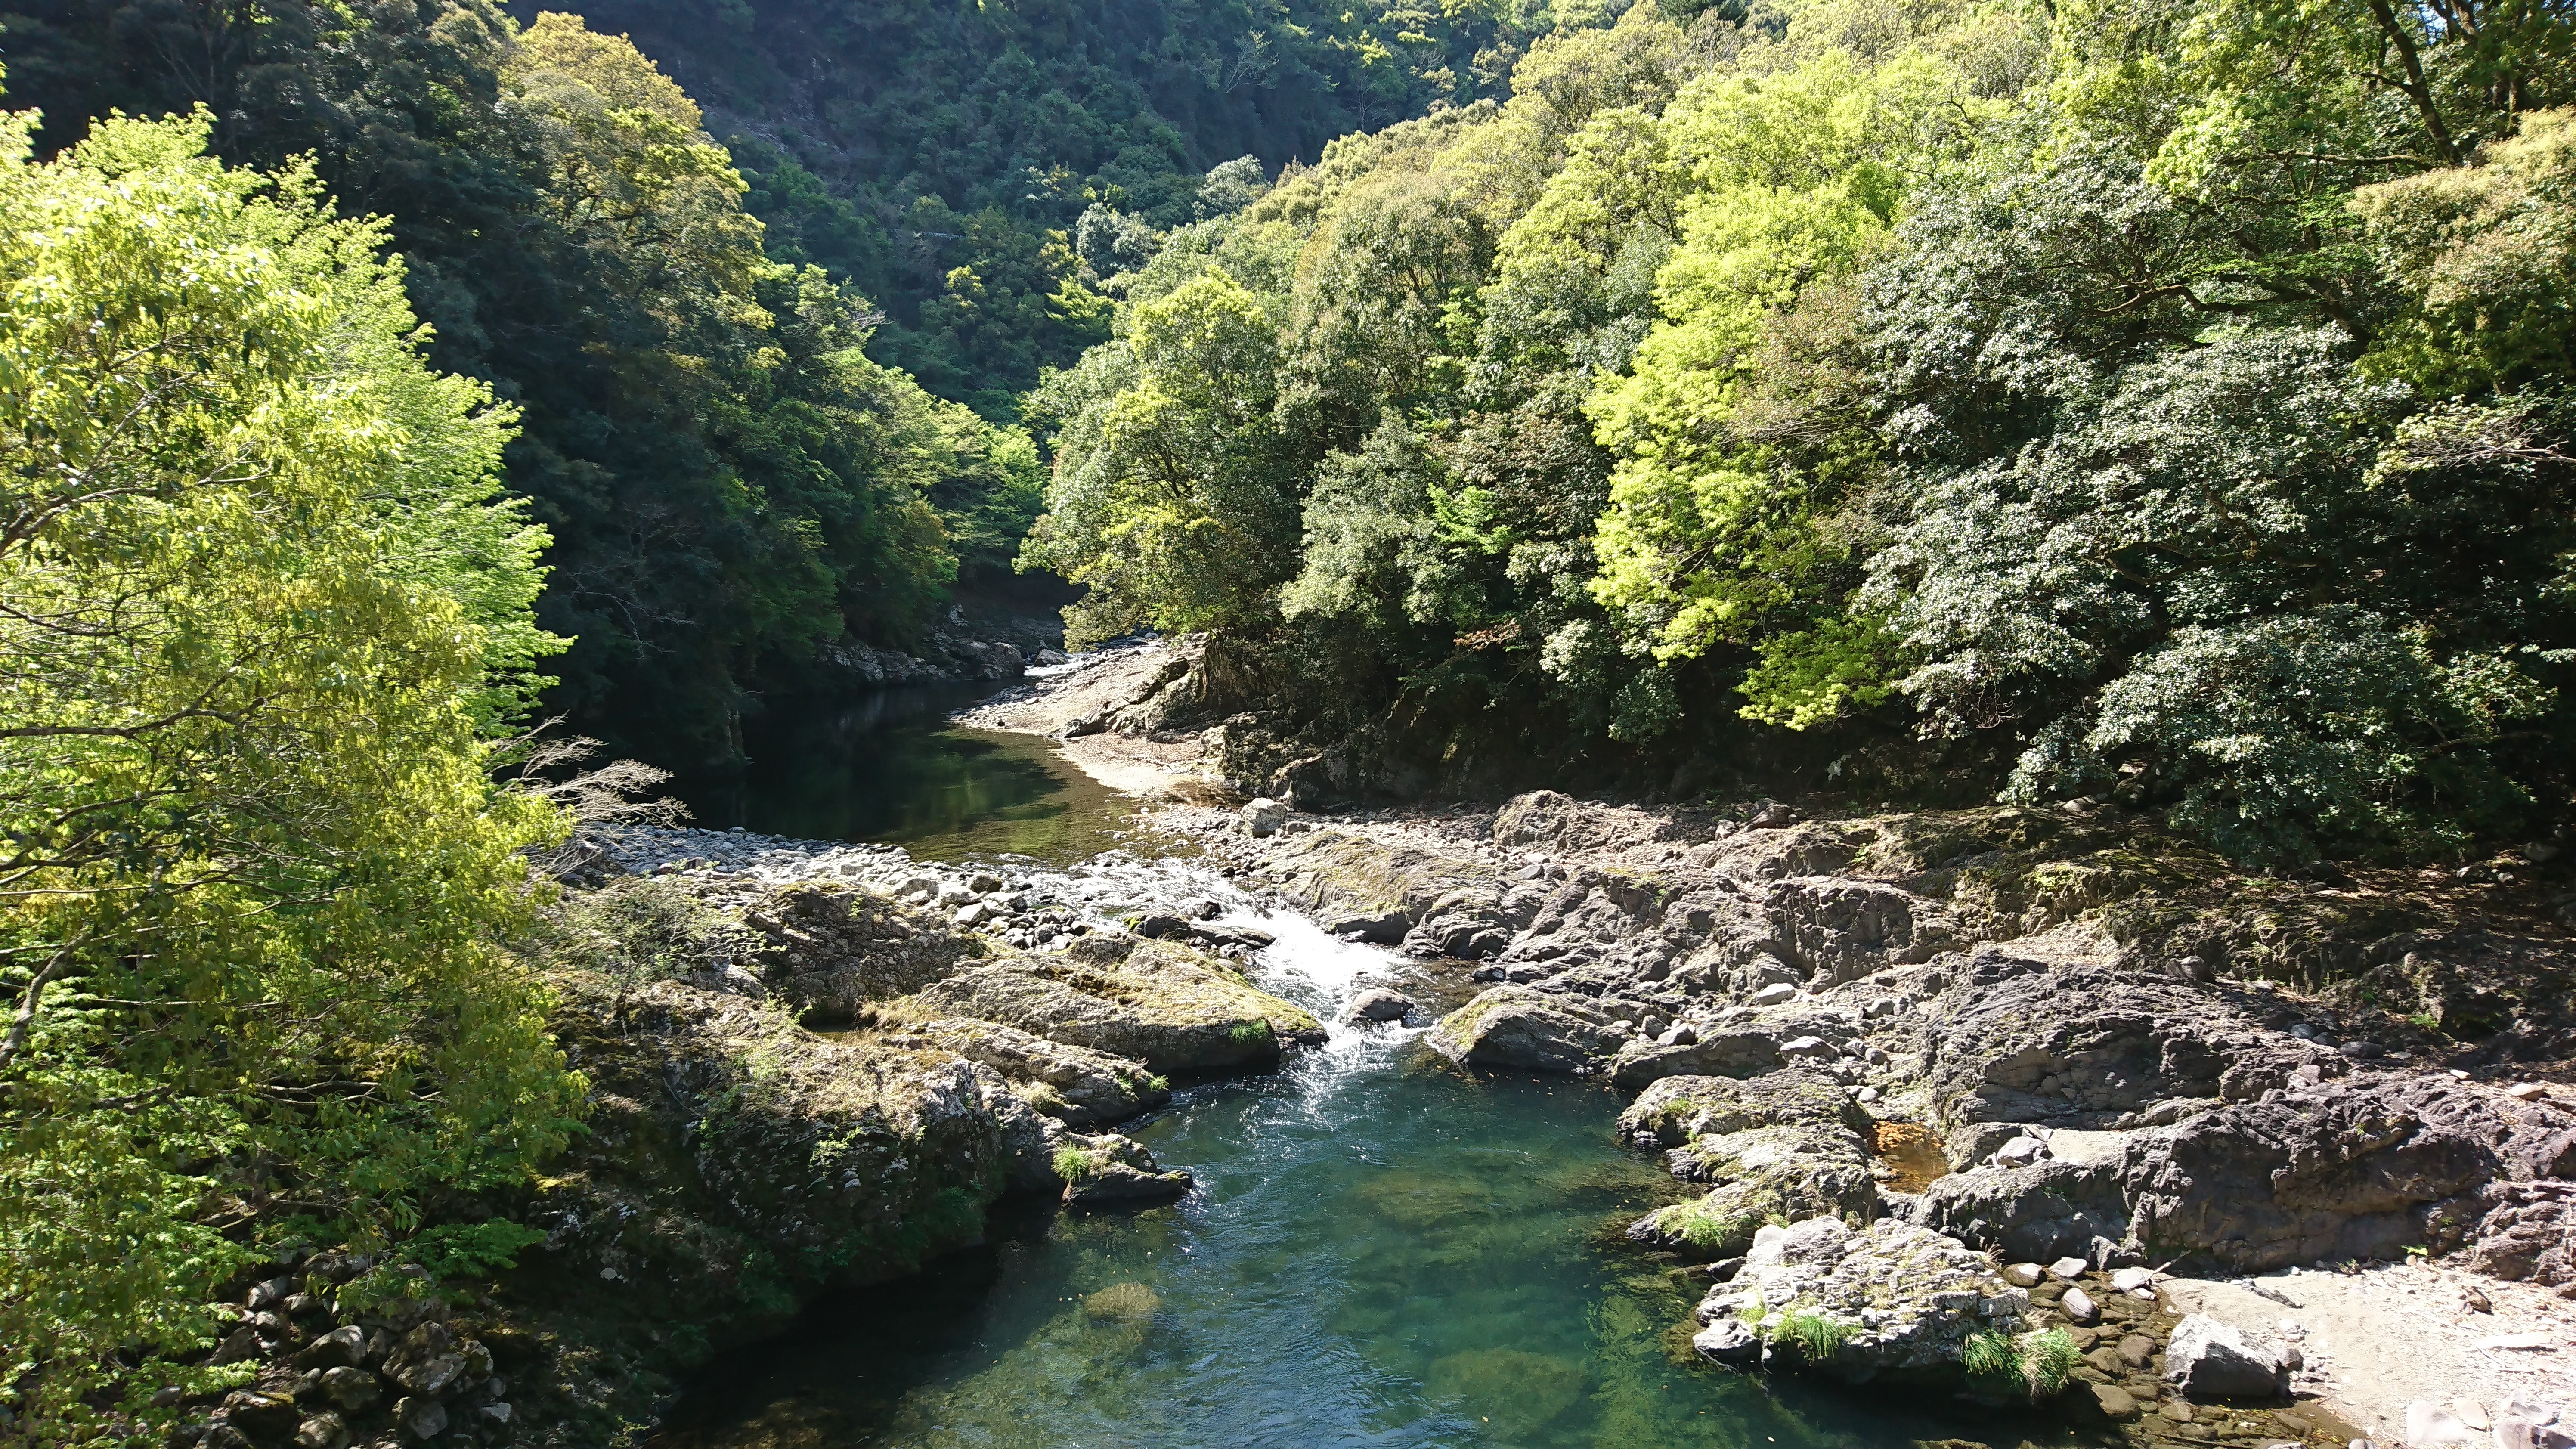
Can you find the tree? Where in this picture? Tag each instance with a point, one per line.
(260, 601)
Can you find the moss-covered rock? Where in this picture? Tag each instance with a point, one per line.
(1164, 1005)
(1514, 1026)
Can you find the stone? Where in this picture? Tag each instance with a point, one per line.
(2078, 1306)
(2115, 1402)
(2129, 1280)
(2516, 1434)
(1517, 1026)
(2527, 1091)
(2024, 1275)
(2471, 1413)
(420, 1418)
(2021, 1152)
(2429, 1426)
(1264, 817)
(261, 1418)
(324, 1430)
(1378, 1004)
(1775, 994)
(1729, 1340)
(2176, 1410)
(1117, 1182)
(2067, 1270)
(1908, 1297)
(2207, 1359)
(1808, 1048)
(972, 915)
(1152, 1001)
(2137, 1350)
(1379, 928)
(354, 1389)
(1788, 1143)
(2049, 1211)
(344, 1345)
(1717, 1052)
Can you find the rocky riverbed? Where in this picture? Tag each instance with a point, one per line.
(2150, 1109)
(2132, 1058)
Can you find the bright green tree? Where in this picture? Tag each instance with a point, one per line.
(261, 607)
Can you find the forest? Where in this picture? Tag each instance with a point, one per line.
(2161, 401)
(2153, 402)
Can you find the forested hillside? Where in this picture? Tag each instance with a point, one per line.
(2154, 401)
(977, 169)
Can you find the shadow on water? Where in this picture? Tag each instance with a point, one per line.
(888, 766)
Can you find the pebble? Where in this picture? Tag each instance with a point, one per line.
(2527, 1091)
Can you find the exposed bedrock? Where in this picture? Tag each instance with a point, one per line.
(2040, 993)
(1778, 1148)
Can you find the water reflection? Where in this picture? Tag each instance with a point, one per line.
(889, 767)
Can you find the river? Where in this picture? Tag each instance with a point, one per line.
(1380, 1250)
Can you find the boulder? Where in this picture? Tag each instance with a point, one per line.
(1516, 1026)
(1904, 1298)
(1378, 1004)
(1378, 928)
(1162, 1004)
(1110, 1169)
(2347, 1168)
(1783, 1145)
(2038, 1213)
(1073, 1084)
(2207, 1359)
(1719, 1052)
(1264, 817)
(1729, 1340)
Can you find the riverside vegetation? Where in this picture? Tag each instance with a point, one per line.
(2152, 412)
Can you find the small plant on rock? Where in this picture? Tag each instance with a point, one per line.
(1818, 1336)
(1073, 1164)
(2048, 1361)
(1248, 1033)
(1990, 1357)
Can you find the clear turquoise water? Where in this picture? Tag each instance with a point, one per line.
(1381, 1251)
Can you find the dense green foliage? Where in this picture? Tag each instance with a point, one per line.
(730, 480)
(2160, 399)
(975, 166)
(264, 607)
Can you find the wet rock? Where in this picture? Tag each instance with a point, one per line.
(1729, 1340)
(1378, 1004)
(1906, 1298)
(2115, 1402)
(1516, 1026)
(1378, 928)
(2207, 1359)
(1109, 1169)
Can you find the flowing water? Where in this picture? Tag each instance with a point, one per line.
(1380, 1250)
